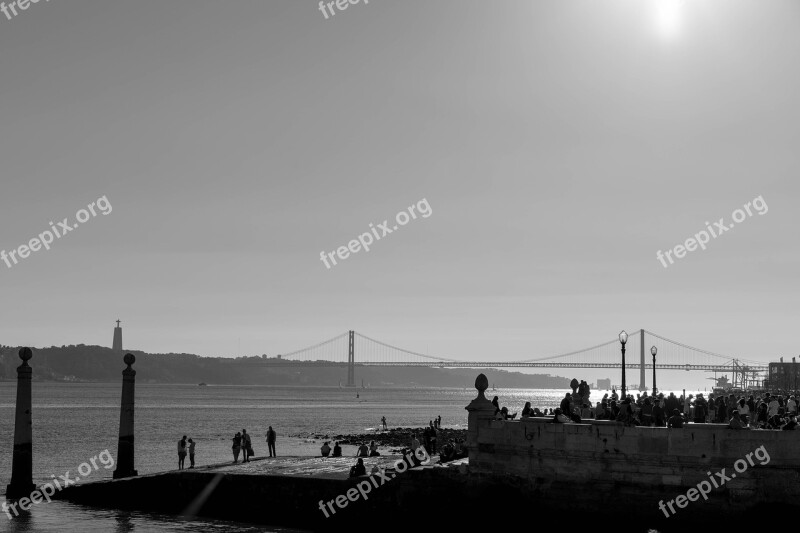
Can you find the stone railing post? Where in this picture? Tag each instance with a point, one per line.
(481, 412)
(22, 463)
(125, 448)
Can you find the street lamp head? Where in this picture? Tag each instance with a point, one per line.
(653, 351)
(623, 337)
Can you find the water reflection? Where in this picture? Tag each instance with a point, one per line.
(61, 516)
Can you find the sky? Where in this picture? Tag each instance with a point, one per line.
(560, 145)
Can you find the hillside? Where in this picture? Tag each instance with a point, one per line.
(97, 363)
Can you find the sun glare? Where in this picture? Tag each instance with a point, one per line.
(668, 17)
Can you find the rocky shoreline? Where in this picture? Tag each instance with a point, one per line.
(395, 438)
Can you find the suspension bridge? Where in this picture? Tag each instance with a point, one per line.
(671, 355)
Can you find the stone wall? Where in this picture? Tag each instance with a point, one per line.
(647, 463)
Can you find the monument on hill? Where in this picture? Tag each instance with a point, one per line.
(117, 346)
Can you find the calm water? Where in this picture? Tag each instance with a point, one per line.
(74, 422)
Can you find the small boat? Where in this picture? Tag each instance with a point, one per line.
(204, 384)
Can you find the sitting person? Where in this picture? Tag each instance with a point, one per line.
(736, 421)
(676, 420)
(373, 449)
(791, 423)
(447, 453)
(337, 450)
(503, 415)
(358, 469)
(576, 416)
(537, 412)
(559, 417)
(326, 449)
(527, 412)
(600, 411)
(363, 451)
(775, 422)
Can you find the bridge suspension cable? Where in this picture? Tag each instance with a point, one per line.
(389, 346)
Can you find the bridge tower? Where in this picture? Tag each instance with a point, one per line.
(641, 363)
(351, 361)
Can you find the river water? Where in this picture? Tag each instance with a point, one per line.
(74, 422)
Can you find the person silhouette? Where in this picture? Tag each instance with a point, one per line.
(271, 442)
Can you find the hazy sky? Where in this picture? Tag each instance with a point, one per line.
(559, 144)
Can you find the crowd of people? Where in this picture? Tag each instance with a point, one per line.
(752, 410)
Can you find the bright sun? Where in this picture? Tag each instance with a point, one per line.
(668, 17)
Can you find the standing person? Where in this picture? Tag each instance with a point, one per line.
(722, 410)
(744, 411)
(383, 420)
(237, 446)
(181, 452)
(191, 453)
(439, 423)
(566, 404)
(426, 439)
(247, 446)
(772, 406)
(271, 442)
(700, 409)
(659, 415)
(647, 413)
(414, 442)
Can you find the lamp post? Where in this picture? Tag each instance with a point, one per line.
(653, 351)
(623, 338)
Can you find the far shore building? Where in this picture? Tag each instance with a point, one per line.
(604, 384)
(783, 375)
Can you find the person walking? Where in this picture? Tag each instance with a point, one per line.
(247, 447)
(181, 452)
(191, 453)
(271, 442)
(237, 446)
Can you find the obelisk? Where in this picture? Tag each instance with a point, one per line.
(125, 447)
(22, 463)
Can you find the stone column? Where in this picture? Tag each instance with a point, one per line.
(22, 463)
(125, 447)
(481, 412)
